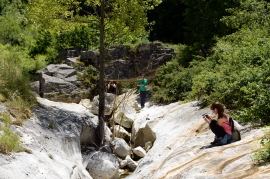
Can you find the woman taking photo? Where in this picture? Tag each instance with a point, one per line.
(220, 127)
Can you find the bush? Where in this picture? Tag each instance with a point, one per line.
(14, 74)
(263, 155)
(9, 142)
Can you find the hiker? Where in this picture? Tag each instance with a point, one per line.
(220, 127)
(142, 82)
(112, 87)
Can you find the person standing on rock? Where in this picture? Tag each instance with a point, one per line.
(142, 83)
(111, 87)
(220, 127)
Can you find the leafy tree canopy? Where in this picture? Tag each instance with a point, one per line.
(123, 19)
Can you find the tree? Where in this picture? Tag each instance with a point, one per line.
(203, 19)
(168, 22)
(119, 21)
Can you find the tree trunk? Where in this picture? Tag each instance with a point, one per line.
(101, 78)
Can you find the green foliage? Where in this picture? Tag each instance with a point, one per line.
(171, 82)
(52, 125)
(43, 49)
(19, 108)
(263, 155)
(124, 86)
(41, 61)
(124, 20)
(10, 30)
(236, 74)
(42, 42)
(9, 142)
(203, 20)
(89, 76)
(83, 37)
(13, 30)
(14, 67)
(168, 22)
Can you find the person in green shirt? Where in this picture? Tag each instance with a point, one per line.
(142, 82)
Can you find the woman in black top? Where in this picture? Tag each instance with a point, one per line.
(112, 87)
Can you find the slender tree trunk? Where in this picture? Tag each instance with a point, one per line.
(101, 78)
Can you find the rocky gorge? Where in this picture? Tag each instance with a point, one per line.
(179, 147)
(156, 142)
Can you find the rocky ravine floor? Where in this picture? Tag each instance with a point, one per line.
(179, 151)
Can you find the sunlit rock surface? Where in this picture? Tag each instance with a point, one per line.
(180, 149)
(178, 152)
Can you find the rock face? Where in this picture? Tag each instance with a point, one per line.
(60, 83)
(121, 62)
(180, 149)
(52, 136)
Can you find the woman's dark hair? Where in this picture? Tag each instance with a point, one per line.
(220, 109)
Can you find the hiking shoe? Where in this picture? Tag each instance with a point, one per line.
(215, 141)
(218, 144)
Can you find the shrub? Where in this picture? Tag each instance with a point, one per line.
(9, 142)
(263, 155)
(15, 80)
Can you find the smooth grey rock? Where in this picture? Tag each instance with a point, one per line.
(131, 163)
(139, 151)
(120, 147)
(103, 166)
(109, 104)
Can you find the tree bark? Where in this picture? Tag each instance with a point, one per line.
(101, 77)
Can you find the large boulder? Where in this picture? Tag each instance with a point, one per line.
(109, 104)
(125, 115)
(120, 147)
(144, 135)
(103, 165)
(60, 83)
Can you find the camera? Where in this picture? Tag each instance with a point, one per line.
(205, 115)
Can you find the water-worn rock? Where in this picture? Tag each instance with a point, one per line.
(139, 151)
(109, 104)
(131, 163)
(120, 147)
(180, 149)
(103, 166)
(52, 140)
